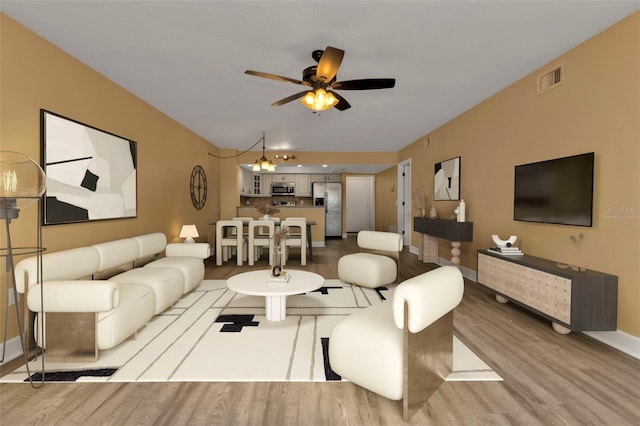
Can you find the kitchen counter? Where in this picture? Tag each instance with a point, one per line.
(311, 213)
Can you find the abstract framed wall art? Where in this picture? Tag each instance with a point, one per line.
(91, 174)
(447, 180)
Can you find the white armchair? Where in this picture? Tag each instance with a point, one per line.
(374, 268)
(402, 349)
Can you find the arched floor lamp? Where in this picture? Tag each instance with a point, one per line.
(22, 182)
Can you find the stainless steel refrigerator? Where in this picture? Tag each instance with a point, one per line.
(329, 196)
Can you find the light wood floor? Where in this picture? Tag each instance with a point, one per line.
(549, 379)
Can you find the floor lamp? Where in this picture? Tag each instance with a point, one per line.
(22, 182)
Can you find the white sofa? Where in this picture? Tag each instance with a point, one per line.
(84, 315)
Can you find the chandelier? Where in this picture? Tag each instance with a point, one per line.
(319, 100)
(262, 163)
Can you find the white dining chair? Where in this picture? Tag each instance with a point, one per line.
(229, 234)
(297, 237)
(260, 236)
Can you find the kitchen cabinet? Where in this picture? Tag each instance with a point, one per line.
(246, 182)
(303, 185)
(284, 178)
(265, 182)
(257, 185)
(326, 178)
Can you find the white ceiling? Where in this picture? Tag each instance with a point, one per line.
(187, 59)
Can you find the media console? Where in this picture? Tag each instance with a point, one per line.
(574, 300)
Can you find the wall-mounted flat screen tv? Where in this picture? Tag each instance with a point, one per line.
(555, 191)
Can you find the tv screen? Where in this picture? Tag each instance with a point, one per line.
(555, 191)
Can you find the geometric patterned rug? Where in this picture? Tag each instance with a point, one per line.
(216, 335)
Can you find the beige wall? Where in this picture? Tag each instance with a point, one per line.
(597, 108)
(386, 196)
(34, 75)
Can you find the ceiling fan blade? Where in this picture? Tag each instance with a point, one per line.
(342, 102)
(290, 98)
(276, 77)
(329, 64)
(365, 84)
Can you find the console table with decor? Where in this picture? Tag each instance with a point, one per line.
(434, 228)
(573, 299)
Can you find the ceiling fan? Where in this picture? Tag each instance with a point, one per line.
(321, 82)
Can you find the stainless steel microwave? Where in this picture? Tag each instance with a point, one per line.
(283, 188)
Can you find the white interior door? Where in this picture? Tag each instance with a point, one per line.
(360, 200)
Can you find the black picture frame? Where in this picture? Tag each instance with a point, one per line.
(447, 180)
(91, 173)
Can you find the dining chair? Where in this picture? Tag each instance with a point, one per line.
(260, 236)
(229, 234)
(297, 237)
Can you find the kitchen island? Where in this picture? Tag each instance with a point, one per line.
(311, 213)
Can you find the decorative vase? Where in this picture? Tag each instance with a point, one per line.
(433, 213)
(278, 260)
(265, 217)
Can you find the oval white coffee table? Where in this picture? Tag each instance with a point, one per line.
(255, 283)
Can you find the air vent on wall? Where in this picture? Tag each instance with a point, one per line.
(550, 79)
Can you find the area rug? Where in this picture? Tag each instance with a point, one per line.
(216, 335)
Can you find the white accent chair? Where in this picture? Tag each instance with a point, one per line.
(258, 239)
(375, 268)
(297, 237)
(229, 234)
(402, 349)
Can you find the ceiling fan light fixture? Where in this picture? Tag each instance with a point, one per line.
(319, 100)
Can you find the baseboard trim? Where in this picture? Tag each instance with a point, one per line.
(619, 340)
(13, 349)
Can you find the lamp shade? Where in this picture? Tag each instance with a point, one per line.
(22, 181)
(189, 231)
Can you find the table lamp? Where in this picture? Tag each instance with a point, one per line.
(189, 232)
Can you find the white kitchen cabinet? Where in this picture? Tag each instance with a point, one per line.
(284, 178)
(326, 178)
(246, 182)
(303, 185)
(257, 185)
(265, 182)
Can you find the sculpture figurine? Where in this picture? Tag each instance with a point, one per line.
(504, 243)
(460, 211)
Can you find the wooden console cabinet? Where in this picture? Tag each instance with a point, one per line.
(573, 300)
(432, 228)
